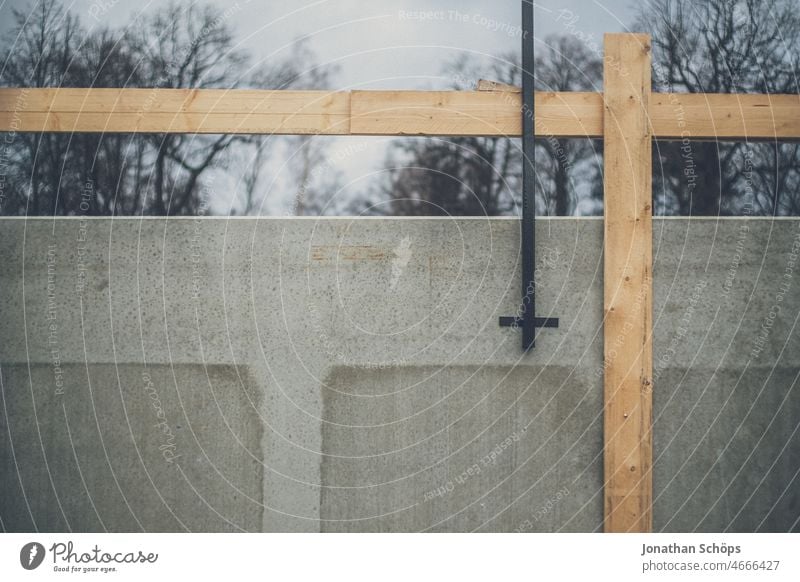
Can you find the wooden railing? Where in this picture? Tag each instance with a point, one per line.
(433, 113)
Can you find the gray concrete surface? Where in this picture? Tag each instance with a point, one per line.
(349, 375)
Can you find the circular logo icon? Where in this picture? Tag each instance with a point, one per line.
(31, 555)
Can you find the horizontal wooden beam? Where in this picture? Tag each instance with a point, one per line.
(488, 113)
(432, 113)
(715, 116)
(175, 111)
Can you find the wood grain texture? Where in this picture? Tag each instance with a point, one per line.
(628, 285)
(176, 111)
(295, 112)
(490, 113)
(493, 110)
(714, 116)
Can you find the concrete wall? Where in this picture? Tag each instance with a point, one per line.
(349, 375)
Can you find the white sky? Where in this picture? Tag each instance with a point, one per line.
(379, 43)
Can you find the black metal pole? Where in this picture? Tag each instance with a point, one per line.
(528, 182)
(526, 319)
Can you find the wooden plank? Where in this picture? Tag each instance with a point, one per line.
(628, 285)
(295, 112)
(714, 116)
(176, 111)
(489, 113)
(492, 110)
(200, 101)
(113, 122)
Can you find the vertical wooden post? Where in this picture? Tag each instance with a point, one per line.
(628, 289)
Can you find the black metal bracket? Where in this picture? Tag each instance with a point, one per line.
(537, 321)
(527, 320)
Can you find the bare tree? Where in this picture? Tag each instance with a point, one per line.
(725, 46)
(40, 52)
(180, 45)
(185, 46)
(458, 176)
(306, 171)
(482, 175)
(568, 170)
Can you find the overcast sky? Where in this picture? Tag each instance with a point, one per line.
(381, 43)
(399, 44)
